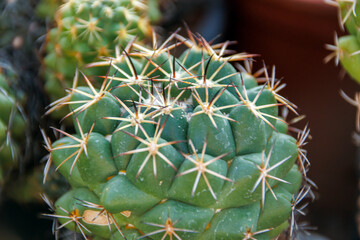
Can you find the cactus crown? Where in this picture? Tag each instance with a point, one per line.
(178, 147)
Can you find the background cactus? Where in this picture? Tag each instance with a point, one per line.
(346, 50)
(12, 122)
(185, 148)
(21, 95)
(47, 8)
(86, 30)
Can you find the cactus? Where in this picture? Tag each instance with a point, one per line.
(13, 31)
(185, 148)
(47, 8)
(21, 106)
(346, 49)
(12, 122)
(88, 29)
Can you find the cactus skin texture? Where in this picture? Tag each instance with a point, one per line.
(177, 148)
(347, 48)
(88, 29)
(12, 122)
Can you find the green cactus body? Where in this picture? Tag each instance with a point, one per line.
(349, 44)
(347, 48)
(47, 8)
(189, 157)
(12, 123)
(87, 30)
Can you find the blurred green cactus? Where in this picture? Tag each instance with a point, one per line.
(86, 30)
(346, 49)
(47, 8)
(185, 148)
(12, 122)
